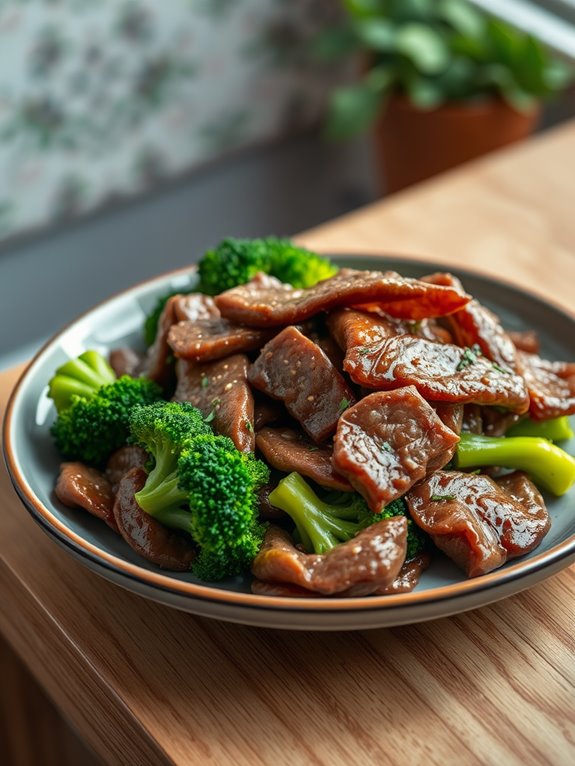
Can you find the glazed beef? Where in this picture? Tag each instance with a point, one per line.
(220, 390)
(79, 486)
(295, 370)
(401, 297)
(208, 339)
(352, 328)
(526, 340)
(166, 548)
(195, 307)
(369, 561)
(123, 460)
(192, 307)
(125, 361)
(408, 577)
(440, 372)
(288, 450)
(476, 522)
(387, 441)
(451, 415)
(551, 386)
(476, 325)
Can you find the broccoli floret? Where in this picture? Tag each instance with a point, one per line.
(235, 261)
(79, 377)
(222, 485)
(323, 524)
(297, 266)
(91, 425)
(202, 484)
(163, 429)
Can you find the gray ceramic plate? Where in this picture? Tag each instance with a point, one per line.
(33, 465)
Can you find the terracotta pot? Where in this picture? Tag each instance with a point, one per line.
(412, 145)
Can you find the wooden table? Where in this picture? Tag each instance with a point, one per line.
(143, 684)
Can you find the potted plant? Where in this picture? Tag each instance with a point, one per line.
(441, 83)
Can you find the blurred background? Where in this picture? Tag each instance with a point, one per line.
(134, 135)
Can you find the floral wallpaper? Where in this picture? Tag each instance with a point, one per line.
(103, 99)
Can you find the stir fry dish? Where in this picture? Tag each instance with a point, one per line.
(328, 431)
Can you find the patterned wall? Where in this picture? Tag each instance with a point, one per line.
(102, 99)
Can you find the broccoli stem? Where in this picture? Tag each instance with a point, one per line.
(161, 493)
(550, 467)
(556, 429)
(316, 523)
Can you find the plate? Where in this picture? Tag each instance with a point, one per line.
(33, 465)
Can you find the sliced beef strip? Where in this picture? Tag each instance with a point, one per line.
(371, 560)
(472, 419)
(537, 524)
(440, 372)
(164, 547)
(267, 511)
(476, 325)
(526, 340)
(408, 577)
(386, 442)
(295, 370)
(125, 361)
(79, 486)
(451, 415)
(207, 339)
(289, 450)
(352, 328)
(220, 388)
(406, 298)
(194, 307)
(476, 522)
(123, 460)
(551, 386)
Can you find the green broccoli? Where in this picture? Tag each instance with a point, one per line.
(323, 524)
(79, 377)
(555, 429)
(202, 484)
(94, 407)
(235, 261)
(549, 466)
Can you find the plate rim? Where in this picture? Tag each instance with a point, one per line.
(167, 584)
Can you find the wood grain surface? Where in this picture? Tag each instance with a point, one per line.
(148, 685)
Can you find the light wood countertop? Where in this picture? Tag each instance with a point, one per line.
(144, 684)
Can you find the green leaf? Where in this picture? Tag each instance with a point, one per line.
(558, 75)
(352, 110)
(462, 17)
(424, 47)
(377, 34)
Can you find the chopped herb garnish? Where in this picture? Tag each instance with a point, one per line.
(312, 449)
(212, 415)
(344, 404)
(470, 356)
(439, 498)
(205, 382)
(499, 368)
(248, 425)
(363, 350)
(386, 447)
